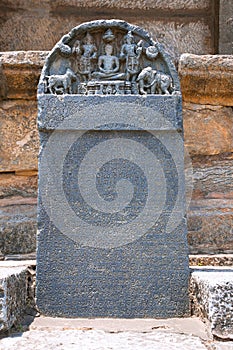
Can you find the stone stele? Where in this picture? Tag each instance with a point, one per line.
(111, 221)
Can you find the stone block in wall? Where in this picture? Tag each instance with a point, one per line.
(18, 225)
(210, 226)
(207, 79)
(136, 4)
(177, 35)
(226, 27)
(212, 177)
(211, 292)
(19, 73)
(18, 212)
(210, 214)
(187, 26)
(23, 184)
(14, 292)
(208, 130)
(18, 135)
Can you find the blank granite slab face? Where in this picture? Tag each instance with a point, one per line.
(111, 218)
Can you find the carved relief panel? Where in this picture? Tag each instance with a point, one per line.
(108, 58)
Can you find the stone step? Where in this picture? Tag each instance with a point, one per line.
(211, 294)
(126, 334)
(98, 334)
(16, 279)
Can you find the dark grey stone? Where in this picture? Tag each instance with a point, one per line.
(111, 222)
(18, 229)
(121, 112)
(226, 27)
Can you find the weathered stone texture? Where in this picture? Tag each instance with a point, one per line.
(17, 225)
(208, 130)
(226, 27)
(19, 74)
(83, 205)
(118, 264)
(210, 215)
(13, 295)
(137, 4)
(18, 185)
(17, 213)
(211, 260)
(212, 293)
(18, 135)
(208, 134)
(212, 177)
(48, 333)
(204, 79)
(178, 36)
(184, 25)
(210, 226)
(207, 79)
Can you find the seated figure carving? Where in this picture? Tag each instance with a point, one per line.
(108, 66)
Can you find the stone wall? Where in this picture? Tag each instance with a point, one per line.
(208, 127)
(18, 148)
(182, 25)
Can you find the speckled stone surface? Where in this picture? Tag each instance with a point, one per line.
(13, 292)
(212, 294)
(111, 224)
(146, 277)
(211, 260)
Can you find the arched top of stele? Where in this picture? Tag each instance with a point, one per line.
(108, 57)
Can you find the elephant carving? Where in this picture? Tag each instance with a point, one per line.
(154, 82)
